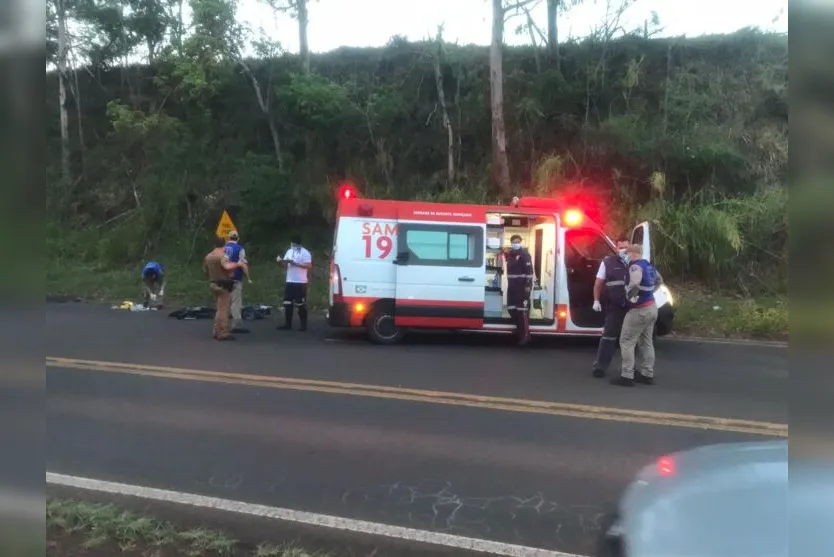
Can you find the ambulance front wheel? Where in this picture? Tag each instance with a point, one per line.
(381, 327)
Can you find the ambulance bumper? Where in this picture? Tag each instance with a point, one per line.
(338, 315)
(665, 318)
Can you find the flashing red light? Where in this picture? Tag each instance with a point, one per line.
(666, 466)
(573, 217)
(348, 191)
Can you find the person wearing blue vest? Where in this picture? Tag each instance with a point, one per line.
(236, 254)
(638, 326)
(153, 284)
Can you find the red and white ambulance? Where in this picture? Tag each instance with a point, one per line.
(400, 265)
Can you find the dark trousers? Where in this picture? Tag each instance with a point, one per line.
(295, 296)
(518, 305)
(609, 342)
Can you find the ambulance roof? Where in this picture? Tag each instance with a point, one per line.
(443, 212)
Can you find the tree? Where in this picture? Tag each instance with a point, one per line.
(298, 10)
(554, 8)
(218, 37)
(61, 14)
(441, 99)
(500, 162)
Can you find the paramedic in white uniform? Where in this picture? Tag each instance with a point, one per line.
(298, 261)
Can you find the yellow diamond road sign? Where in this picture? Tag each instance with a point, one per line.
(225, 226)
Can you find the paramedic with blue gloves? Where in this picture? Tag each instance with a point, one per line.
(519, 286)
(638, 326)
(236, 254)
(153, 283)
(610, 297)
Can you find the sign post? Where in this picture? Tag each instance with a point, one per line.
(225, 226)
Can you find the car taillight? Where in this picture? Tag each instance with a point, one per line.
(666, 466)
(336, 279)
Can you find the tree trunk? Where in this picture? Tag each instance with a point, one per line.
(303, 45)
(62, 92)
(79, 125)
(533, 42)
(500, 164)
(264, 106)
(553, 30)
(447, 122)
(180, 26)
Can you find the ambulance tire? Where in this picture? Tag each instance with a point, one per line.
(381, 328)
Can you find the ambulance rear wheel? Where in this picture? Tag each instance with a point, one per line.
(381, 327)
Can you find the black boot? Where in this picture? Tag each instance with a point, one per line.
(302, 318)
(287, 318)
(622, 381)
(644, 379)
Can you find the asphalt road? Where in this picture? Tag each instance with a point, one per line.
(524, 477)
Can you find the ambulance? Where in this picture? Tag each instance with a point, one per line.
(398, 266)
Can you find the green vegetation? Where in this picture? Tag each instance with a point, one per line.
(724, 316)
(75, 527)
(689, 133)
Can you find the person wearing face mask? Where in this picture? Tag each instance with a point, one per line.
(519, 285)
(610, 297)
(638, 327)
(298, 261)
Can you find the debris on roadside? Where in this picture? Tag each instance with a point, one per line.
(127, 305)
(248, 313)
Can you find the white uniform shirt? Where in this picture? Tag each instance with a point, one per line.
(298, 255)
(601, 271)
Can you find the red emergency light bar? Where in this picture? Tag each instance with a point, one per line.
(348, 191)
(572, 218)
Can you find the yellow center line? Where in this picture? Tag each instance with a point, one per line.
(433, 397)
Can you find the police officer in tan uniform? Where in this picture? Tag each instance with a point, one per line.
(221, 282)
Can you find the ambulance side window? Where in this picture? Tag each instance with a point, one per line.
(427, 244)
(460, 246)
(442, 246)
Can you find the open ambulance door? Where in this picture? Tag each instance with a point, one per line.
(440, 276)
(642, 235)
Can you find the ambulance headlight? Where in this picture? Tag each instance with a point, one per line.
(663, 296)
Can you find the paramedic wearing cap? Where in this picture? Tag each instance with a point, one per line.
(638, 326)
(236, 254)
(519, 286)
(610, 296)
(298, 262)
(153, 284)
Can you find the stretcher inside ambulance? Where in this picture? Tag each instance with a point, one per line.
(401, 265)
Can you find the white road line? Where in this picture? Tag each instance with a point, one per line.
(302, 517)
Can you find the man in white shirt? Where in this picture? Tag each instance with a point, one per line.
(298, 262)
(609, 296)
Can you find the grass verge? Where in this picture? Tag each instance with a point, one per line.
(98, 530)
(186, 283)
(698, 312)
(701, 313)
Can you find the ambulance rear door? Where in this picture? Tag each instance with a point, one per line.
(440, 278)
(642, 235)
